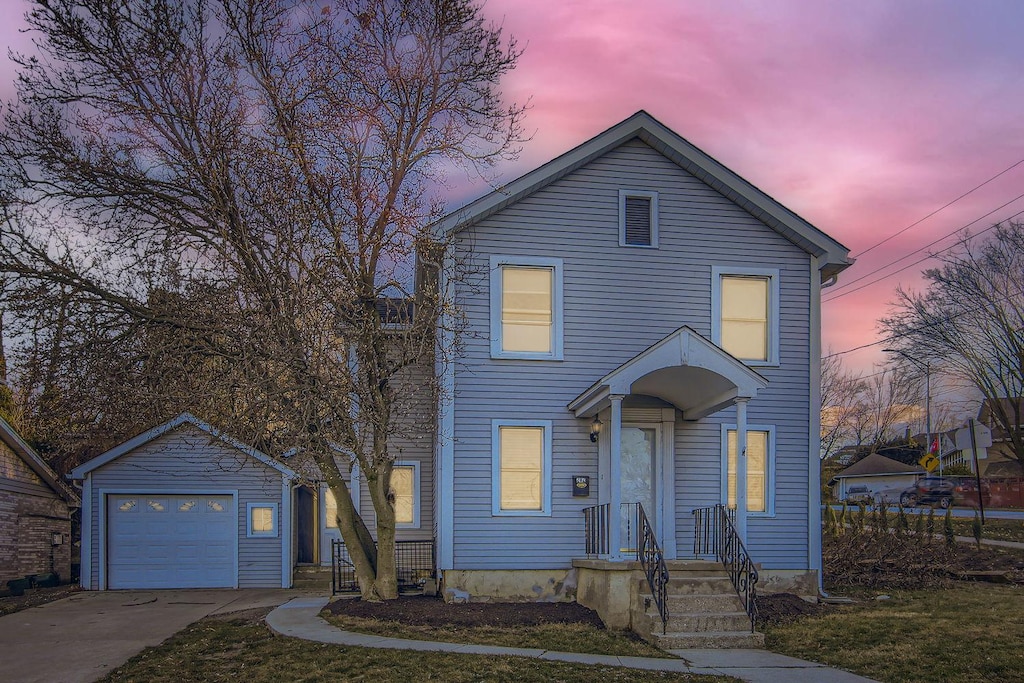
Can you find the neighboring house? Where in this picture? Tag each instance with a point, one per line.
(186, 506)
(636, 285)
(883, 478)
(35, 513)
(1001, 461)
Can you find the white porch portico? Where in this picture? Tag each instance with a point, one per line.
(695, 376)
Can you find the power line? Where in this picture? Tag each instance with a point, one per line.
(917, 251)
(941, 208)
(923, 327)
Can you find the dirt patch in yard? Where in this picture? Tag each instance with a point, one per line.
(435, 612)
(782, 608)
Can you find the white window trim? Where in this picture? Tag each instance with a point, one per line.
(545, 480)
(653, 196)
(497, 262)
(415, 524)
(250, 533)
(769, 484)
(717, 273)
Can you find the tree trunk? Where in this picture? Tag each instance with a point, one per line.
(358, 541)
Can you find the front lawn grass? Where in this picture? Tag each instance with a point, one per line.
(219, 649)
(993, 529)
(970, 633)
(582, 638)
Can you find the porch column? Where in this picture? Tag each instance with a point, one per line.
(615, 471)
(741, 468)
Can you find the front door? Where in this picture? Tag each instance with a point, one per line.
(638, 482)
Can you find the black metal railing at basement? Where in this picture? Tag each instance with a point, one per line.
(715, 534)
(414, 564)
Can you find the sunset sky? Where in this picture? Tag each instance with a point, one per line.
(862, 116)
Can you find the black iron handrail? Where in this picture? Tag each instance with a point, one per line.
(637, 537)
(653, 562)
(715, 534)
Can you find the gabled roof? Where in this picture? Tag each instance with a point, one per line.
(185, 418)
(833, 256)
(683, 369)
(10, 437)
(876, 464)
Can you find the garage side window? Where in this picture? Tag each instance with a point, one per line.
(262, 520)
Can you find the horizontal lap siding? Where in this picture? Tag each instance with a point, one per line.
(186, 458)
(412, 442)
(617, 302)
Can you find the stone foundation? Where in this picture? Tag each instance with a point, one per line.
(520, 585)
(802, 582)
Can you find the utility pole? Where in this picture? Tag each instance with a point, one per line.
(927, 367)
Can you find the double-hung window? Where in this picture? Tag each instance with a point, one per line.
(262, 520)
(526, 308)
(405, 486)
(745, 303)
(760, 468)
(521, 467)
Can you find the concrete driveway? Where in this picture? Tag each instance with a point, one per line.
(83, 637)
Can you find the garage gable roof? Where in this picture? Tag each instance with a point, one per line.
(833, 257)
(876, 464)
(185, 418)
(10, 437)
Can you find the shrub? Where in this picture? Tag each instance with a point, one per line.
(947, 528)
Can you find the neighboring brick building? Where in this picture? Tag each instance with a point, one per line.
(35, 513)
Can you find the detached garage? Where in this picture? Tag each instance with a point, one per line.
(185, 506)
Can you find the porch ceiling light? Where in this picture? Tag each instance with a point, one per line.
(595, 429)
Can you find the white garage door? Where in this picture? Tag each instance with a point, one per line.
(164, 541)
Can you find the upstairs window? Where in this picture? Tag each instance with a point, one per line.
(746, 314)
(526, 308)
(638, 218)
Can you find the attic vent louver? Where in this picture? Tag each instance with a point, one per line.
(638, 213)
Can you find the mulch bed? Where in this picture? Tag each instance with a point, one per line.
(782, 608)
(430, 611)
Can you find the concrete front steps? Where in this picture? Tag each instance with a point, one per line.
(704, 610)
(312, 578)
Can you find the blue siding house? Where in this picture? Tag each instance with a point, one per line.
(641, 326)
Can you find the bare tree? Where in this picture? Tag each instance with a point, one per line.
(841, 400)
(276, 160)
(970, 320)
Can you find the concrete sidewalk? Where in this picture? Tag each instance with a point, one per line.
(300, 618)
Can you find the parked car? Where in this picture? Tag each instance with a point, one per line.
(965, 492)
(928, 491)
(859, 495)
(945, 491)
